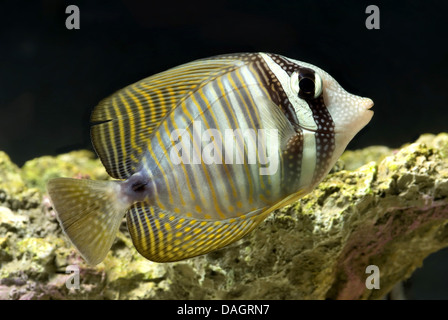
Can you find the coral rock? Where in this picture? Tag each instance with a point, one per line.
(378, 207)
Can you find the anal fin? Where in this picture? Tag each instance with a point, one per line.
(163, 236)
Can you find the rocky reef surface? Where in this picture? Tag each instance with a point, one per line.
(378, 207)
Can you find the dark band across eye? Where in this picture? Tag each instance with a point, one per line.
(307, 86)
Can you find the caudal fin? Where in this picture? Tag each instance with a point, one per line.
(89, 212)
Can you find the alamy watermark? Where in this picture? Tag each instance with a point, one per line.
(73, 20)
(72, 281)
(233, 146)
(373, 20)
(373, 280)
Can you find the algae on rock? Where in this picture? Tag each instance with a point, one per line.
(82, 164)
(378, 206)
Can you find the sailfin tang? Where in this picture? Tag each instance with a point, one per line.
(122, 123)
(162, 236)
(89, 213)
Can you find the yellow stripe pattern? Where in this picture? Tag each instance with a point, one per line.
(193, 208)
(163, 237)
(123, 123)
(210, 191)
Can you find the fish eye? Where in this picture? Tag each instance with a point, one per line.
(310, 84)
(306, 86)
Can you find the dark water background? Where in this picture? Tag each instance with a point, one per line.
(51, 77)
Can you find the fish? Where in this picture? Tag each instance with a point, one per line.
(202, 153)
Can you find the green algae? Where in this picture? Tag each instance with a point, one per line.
(81, 164)
(36, 249)
(353, 159)
(14, 192)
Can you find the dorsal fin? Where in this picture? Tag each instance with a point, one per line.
(123, 122)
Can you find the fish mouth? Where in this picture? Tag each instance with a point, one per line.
(367, 103)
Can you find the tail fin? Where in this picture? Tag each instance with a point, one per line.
(89, 212)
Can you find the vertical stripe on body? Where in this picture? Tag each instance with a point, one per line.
(227, 103)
